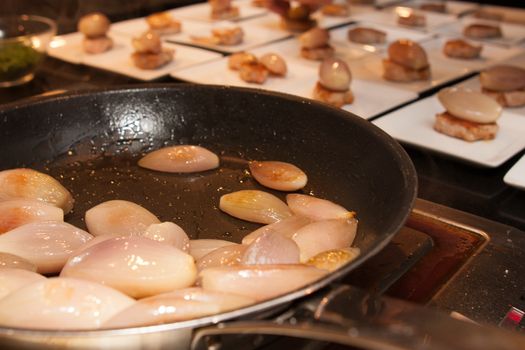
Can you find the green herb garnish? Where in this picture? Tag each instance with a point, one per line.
(17, 60)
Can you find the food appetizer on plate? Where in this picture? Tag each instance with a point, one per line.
(469, 115)
(227, 36)
(504, 83)
(459, 48)
(315, 44)
(336, 10)
(366, 36)
(223, 9)
(333, 86)
(410, 18)
(256, 70)
(149, 53)
(439, 7)
(163, 23)
(482, 31)
(407, 62)
(298, 18)
(484, 14)
(95, 27)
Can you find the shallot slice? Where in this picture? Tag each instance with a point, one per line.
(274, 63)
(333, 259)
(229, 255)
(180, 159)
(324, 235)
(201, 247)
(178, 305)
(119, 218)
(259, 281)
(16, 262)
(255, 206)
(47, 244)
(169, 233)
(61, 303)
(137, 266)
(277, 175)
(316, 208)
(13, 279)
(271, 248)
(286, 227)
(32, 184)
(18, 212)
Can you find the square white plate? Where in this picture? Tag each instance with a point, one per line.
(455, 8)
(339, 36)
(516, 175)
(370, 99)
(202, 11)
(67, 48)
(413, 124)
(513, 34)
(118, 58)
(443, 69)
(510, 14)
(389, 17)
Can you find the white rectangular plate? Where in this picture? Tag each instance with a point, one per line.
(339, 36)
(443, 69)
(202, 11)
(389, 17)
(413, 124)
(118, 58)
(455, 8)
(516, 175)
(370, 99)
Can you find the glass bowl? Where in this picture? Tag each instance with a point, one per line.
(23, 43)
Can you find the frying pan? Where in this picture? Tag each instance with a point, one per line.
(91, 141)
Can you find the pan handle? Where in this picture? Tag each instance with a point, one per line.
(351, 316)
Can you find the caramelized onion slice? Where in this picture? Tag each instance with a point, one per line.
(180, 159)
(13, 279)
(271, 248)
(16, 262)
(201, 247)
(333, 259)
(316, 208)
(277, 175)
(470, 105)
(169, 233)
(334, 74)
(229, 255)
(17, 212)
(285, 227)
(254, 206)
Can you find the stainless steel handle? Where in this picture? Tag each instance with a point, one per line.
(350, 316)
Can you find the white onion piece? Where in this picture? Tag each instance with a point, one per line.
(229, 255)
(320, 236)
(18, 212)
(13, 279)
(32, 184)
(333, 259)
(271, 248)
(201, 247)
(94, 25)
(470, 105)
(169, 233)
(61, 303)
(175, 306)
(119, 218)
(278, 175)
(180, 159)
(147, 42)
(137, 266)
(274, 63)
(90, 243)
(47, 244)
(315, 37)
(255, 206)
(334, 74)
(316, 208)
(259, 282)
(286, 227)
(16, 262)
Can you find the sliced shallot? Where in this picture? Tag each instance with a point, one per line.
(259, 282)
(320, 236)
(137, 266)
(333, 259)
(255, 206)
(169, 233)
(32, 184)
(316, 208)
(16, 262)
(119, 218)
(180, 159)
(201, 247)
(61, 303)
(271, 248)
(286, 227)
(175, 306)
(13, 279)
(47, 244)
(280, 176)
(229, 255)
(18, 212)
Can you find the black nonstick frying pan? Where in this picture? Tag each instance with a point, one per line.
(91, 141)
